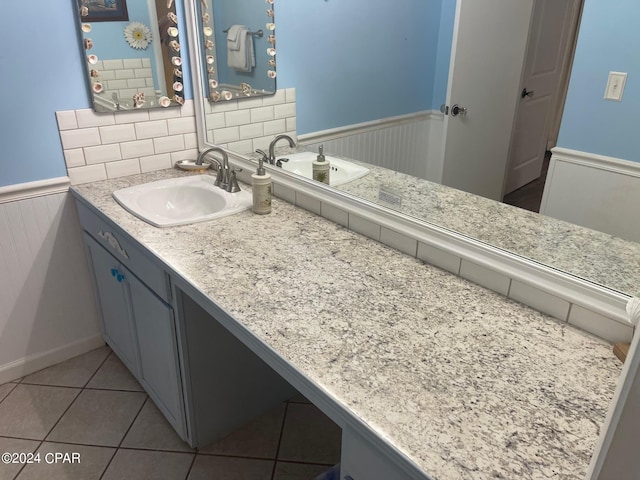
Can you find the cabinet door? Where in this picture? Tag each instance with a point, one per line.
(111, 288)
(159, 367)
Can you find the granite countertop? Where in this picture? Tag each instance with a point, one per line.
(466, 383)
(595, 256)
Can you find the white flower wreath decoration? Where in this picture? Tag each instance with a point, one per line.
(138, 35)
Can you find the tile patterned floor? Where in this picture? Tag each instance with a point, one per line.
(91, 405)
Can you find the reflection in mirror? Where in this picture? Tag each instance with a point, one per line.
(237, 41)
(132, 53)
(397, 133)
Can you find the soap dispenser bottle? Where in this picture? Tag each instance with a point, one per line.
(261, 187)
(321, 168)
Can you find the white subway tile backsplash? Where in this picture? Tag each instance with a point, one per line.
(112, 65)
(125, 74)
(173, 143)
(290, 95)
(335, 214)
(138, 148)
(117, 133)
(484, 276)
(83, 137)
(539, 300)
(181, 125)
(74, 157)
(284, 111)
(250, 103)
(128, 141)
(364, 227)
(285, 193)
(123, 168)
(225, 135)
(190, 140)
(252, 130)
(86, 174)
(88, 118)
(151, 129)
(67, 120)
(188, 109)
(277, 98)
(164, 113)
(237, 117)
(439, 258)
(262, 114)
(137, 83)
(190, 154)
(398, 241)
(215, 121)
(155, 162)
(107, 74)
(600, 325)
(224, 106)
(117, 85)
(142, 73)
(243, 146)
(132, 63)
(102, 154)
(132, 116)
(292, 124)
(308, 203)
(275, 127)
(146, 62)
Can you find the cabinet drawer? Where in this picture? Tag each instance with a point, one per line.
(125, 251)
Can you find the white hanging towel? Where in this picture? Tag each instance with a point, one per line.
(240, 53)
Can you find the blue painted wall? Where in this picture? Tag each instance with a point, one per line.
(357, 61)
(608, 41)
(43, 71)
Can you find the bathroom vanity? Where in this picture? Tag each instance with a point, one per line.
(427, 374)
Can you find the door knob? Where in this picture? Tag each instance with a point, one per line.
(526, 93)
(458, 110)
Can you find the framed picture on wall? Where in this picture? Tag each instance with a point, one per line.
(104, 10)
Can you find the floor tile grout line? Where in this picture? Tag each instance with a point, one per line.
(117, 449)
(82, 388)
(284, 419)
(99, 366)
(193, 462)
(9, 393)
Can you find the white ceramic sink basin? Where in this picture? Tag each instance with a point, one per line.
(342, 171)
(180, 201)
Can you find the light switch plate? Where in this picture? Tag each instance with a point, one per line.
(615, 86)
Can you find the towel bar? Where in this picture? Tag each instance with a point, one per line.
(259, 33)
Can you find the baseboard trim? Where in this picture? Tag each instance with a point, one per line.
(39, 188)
(32, 363)
(358, 128)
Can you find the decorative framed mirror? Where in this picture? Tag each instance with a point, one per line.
(133, 53)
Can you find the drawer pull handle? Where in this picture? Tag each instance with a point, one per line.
(113, 241)
(120, 277)
(114, 272)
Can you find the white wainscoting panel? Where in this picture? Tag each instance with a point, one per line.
(403, 143)
(47, 313)
(594, 191)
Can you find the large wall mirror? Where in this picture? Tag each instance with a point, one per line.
(395, 62)
(133, 53)
(237, 48)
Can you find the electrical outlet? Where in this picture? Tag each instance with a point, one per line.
(615, 86)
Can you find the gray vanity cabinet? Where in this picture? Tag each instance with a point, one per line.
(138, 322)
(112, 284)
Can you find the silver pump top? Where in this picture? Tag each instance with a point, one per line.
(320, 154)
(261, 170)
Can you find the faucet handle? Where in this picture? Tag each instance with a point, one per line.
(280, 160)
(218, 180)
(233, 186)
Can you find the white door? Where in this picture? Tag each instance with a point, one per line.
(548, 49)
(488, 53)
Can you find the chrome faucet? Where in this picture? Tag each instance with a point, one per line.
(272, 147)
(114, 96)
(224, 174)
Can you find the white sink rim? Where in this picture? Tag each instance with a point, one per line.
(132, 200)
(301, 164)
